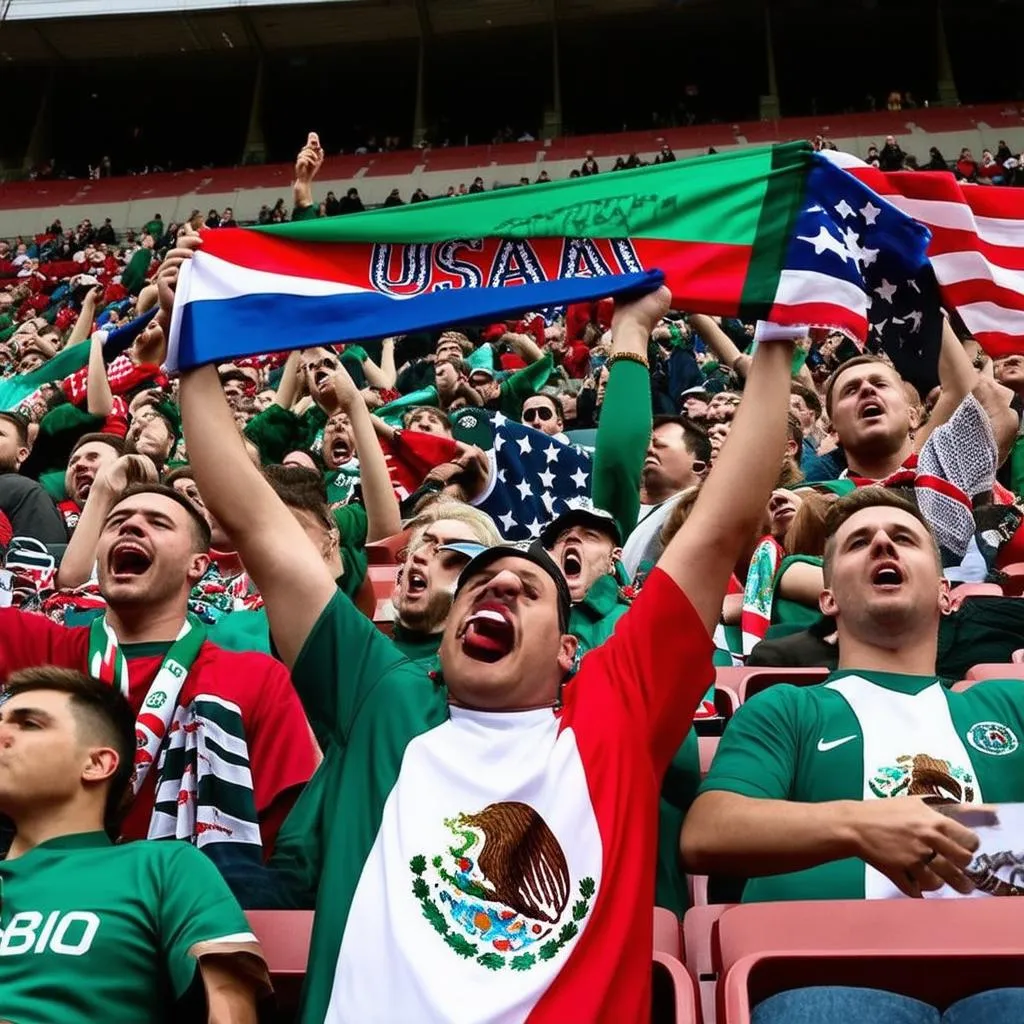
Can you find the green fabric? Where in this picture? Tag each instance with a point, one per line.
(481, 358)
(134, 276)
(840, 488)
(310, 212)
(1017, 466)
(116, 925)
(59, 429)
(473, 426)
(357, 686)
(524, 383)
(773, 749)
(793, 613)
(730, 198)
(277, 431)
(14, 390)
(352, 526)
(392, 412)
(678, 790)
(340, 484)
(593, 619)
(623, 434)
(53, 483)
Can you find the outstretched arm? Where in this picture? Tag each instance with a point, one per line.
(98, 396)
(701, 556)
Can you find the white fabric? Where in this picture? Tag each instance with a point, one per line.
(644, 543)
(393, 965)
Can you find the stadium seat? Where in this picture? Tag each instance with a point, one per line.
(673, 992)
(934, 950)
(707, 746)
(667, 933)
(754, 680)
(284, 936)
(388, 550)
(959, 594)
(996, 670)
(698, 927)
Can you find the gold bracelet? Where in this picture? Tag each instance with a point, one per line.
(630, 357)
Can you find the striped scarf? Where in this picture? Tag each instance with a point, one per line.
(204, 788)
(760, 592)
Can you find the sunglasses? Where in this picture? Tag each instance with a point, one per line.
(541, 412)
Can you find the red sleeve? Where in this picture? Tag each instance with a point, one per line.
(6, 530)
(659, 658)
(282, 751)
(28, 640)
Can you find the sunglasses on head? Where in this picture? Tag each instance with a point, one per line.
(540, 412)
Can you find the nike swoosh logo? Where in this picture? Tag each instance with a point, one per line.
(832, 744)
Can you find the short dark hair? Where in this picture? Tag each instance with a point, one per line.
(200, 527)
(809, 395)
(430, 411)
(856, 501)
(301, 490)
(697, 442)
(20, 425)
(102, 715)
(796, 435)
(115, 442)
(861, 360)
(462, 368)
(179, 473)
(555, 401)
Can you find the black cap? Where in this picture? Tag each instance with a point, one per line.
(536, 554)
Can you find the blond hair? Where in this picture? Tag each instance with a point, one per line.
(479, 522)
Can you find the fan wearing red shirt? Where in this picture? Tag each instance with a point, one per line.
(223, 744)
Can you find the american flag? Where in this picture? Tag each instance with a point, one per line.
(533, 476)
(977, 246)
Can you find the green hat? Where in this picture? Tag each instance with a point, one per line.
(171, 415)
(840, 488)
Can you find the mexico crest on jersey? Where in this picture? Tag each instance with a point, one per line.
(501, 892)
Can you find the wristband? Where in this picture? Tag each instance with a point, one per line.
(629, 357)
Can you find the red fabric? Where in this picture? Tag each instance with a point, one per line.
(576, 360)
(629, 707)
(6, 530)
(122, 373)
(282, 752)
(493, 333)
(533, 325)
(411, 455)
(511, 361)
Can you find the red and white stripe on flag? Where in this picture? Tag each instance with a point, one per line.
(977, 246)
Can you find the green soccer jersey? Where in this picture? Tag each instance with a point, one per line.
(94, 932)
(869, 736)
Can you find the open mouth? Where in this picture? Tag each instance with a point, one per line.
(887, 576)
(871, 410)
(572, 565)
(83, 484)
(489, 633)
(415, 582)
(128, 560)
(320, 379)
(340, 451)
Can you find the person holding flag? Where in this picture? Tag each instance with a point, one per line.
(482, 838)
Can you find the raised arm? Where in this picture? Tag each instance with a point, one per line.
(307, 164)
(295, 583)
(98, 396)
(624, 429)
(83, 325)
(291, 381)
(382, 514)
(725, 349)
(702, 555)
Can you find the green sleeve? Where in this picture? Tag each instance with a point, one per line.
(345, 657)
(1017, 466)
(757, 753)
(392, 412)
(296, 863)
(310, 212)
(678, 789)
(311, 423)
(275, 432)
(623, 434)
(193, 904)
(352, 525)
(523, 383)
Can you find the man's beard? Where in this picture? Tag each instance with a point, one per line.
(8, 465)
(431, 617)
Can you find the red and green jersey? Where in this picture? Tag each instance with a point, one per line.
(486, 866)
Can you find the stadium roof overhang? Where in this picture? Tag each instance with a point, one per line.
(49, 31)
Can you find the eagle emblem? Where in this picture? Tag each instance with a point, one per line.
(501, 892)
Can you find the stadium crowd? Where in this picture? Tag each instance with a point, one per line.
(422, 634)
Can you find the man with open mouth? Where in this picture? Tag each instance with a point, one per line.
(491, 829)
(153, 548)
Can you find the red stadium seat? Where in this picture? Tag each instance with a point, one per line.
(754, 680)
(387, 551)
(698, 928)
(284, 936)
(996, 670)
(707, 746)
(667, 933)
(674, 992)
(934, 950)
